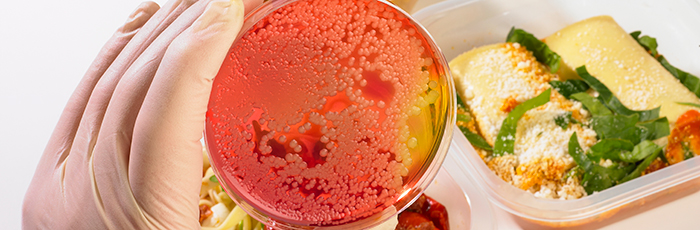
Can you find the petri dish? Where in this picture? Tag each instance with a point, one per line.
(329, 114)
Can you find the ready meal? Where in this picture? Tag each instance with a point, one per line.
(587, 108)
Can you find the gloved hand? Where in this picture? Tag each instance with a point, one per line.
(126, 152)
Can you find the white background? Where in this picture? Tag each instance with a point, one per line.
(45, 48)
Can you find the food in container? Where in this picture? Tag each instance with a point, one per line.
(490, 26)
(630, 71)
(495, 79)
(424, 213)
(216, 209)
(576, 138)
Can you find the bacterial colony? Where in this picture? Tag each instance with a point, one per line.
(322, 111)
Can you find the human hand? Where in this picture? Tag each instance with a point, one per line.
(126, 151)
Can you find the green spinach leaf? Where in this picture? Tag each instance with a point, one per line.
(460, 103)
(654, 129)
(596, 177)
(569, 87)
(617, 126)
(505, 140)
(655, 151)
(611, 101)
(688, 104)
(649, 43)
(592, 104)
(538, 48)
(640, 151)
(563, 120)
(688, 80)
(687, 153)
(475, 139)
(600, 178)
(463, 118)
(577, 153)
(576, 171)
(612, 149)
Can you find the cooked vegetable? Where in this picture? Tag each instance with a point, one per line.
(424, 213)
(653, 151)
(475, 139)
(640, 152)
(629, 127)
(564, 120)
(684, 141)
(539, 49)
(688, 104)
(616, 126)
(577, 153)
(576, 171)
(505, 140)
(611, 119)
(460, 103)
(649, 43)
(625, 138)
(655, 129)
(611, 101)
(569, 87)
(610, 149)
(463, 118)
(592, 104)
(596, 177)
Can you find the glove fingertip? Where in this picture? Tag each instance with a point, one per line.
(139, 16)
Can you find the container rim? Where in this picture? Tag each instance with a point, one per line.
(526, 205)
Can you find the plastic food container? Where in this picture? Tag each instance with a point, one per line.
(459, 26)
(463, 212)
(271, 77)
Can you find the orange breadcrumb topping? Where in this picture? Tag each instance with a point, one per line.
(534, 172)
(684, 137)
(509, 104)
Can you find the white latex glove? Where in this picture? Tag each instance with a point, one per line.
(126, 152)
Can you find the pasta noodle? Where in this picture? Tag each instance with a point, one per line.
(219, 212)
(217, 209)
(614, 57)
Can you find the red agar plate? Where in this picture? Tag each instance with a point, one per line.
(331, 114)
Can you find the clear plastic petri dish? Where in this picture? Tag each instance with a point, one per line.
(329, 114)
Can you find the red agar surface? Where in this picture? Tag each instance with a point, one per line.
(309, 115)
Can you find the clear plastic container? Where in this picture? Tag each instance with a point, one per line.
(464, 212)
(459, 26)
(271, 77)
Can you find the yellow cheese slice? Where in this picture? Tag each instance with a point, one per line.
(490, 77)
(492, 80)
(616, 59)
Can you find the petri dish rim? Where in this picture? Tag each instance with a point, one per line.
(429, 171)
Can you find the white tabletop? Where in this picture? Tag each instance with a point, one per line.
(45, 48)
